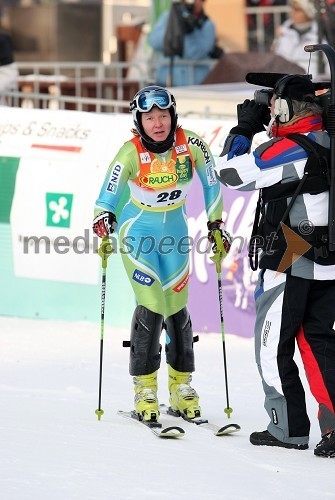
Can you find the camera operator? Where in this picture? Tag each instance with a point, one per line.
(184, 32)
(295, 293)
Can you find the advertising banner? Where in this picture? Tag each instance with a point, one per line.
(62, 158)
(237, 278)
(52, 165)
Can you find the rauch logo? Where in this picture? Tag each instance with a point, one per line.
(158, 180)
(59, 207)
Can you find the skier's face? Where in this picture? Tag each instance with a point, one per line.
(157, 124)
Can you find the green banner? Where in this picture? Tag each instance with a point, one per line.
(157, 7)
(8, 170)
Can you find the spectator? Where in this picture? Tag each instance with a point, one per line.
(299, 30)
(8, 68)
(187, 26)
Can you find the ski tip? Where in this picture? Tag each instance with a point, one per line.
(172, 432)
(228, 429)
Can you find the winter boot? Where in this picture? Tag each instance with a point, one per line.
(183, 397)
(264, 438)
(146, 402)
(326, 447)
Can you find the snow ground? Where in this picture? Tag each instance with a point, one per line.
(54, 447)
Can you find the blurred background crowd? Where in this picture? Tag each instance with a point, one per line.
(168, 42)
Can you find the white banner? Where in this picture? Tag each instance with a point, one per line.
(63, 158)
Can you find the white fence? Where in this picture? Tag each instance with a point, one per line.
(84, 86)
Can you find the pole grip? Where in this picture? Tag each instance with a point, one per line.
(104, 251)
(220, 252)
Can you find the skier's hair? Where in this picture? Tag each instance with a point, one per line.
(303, 107)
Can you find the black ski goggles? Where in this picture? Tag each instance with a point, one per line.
(145, 101)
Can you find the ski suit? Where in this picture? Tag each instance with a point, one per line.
(153, 226)
(298, 302)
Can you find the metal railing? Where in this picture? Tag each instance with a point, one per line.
(83, 86)
(47, 101)
(260, 34)
(79, 74)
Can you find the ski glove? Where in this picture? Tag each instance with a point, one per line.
(104, 224)
(215, 229)
(235, 145)
(251, 118)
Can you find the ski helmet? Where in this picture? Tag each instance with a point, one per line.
(143, 102)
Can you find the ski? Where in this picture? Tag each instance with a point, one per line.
(156, 428)
(201, 422)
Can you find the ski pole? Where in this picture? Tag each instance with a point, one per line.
(217, 258)
(104, 252)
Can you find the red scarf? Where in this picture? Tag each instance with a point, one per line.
(307, 124)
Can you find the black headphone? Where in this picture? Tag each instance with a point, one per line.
(283, 107)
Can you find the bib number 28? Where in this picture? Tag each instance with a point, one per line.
(174, 195)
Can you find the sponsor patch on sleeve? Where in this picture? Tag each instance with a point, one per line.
(195, 141)
(114, 178)
(210, 175)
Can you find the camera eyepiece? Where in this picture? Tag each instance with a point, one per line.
(263, 97)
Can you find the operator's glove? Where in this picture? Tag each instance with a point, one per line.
(236, 145)
(251, 118)
(104, 224)
(220, 238)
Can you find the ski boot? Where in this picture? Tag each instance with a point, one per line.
(326, 447)
(146, 402)
(183, 397)
(264, 438)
